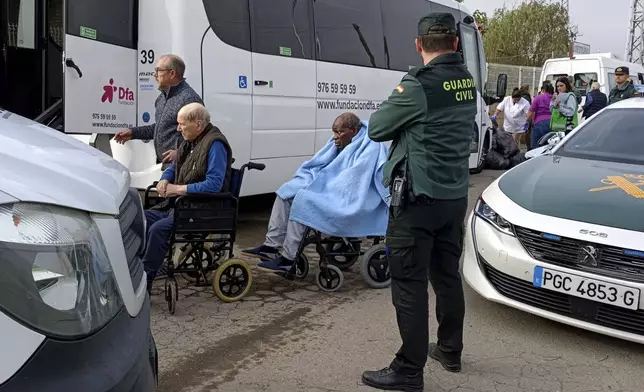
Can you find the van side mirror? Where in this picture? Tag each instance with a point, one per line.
(502, 85)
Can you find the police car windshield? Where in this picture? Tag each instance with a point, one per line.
(615, 135)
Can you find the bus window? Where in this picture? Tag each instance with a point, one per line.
(400, 27)
(229, 21)
(282, 28)
(471, 52)
(349, 32)
(114, 22)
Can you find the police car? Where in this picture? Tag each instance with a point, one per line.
(561, 235)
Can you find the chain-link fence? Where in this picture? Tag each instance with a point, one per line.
(517, 76)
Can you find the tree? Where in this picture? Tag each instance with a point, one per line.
(527, 35)
(482, 20)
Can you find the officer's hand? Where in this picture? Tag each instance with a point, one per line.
(123, 136)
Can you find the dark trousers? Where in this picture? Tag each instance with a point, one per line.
(425, 242)
(158, 235)
(540, 130)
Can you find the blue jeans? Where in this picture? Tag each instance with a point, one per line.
(538, 131)
(158, 235)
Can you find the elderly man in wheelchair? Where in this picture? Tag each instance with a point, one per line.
(203, 165)
(333, 199)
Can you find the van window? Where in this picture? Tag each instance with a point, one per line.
(401, 30)
(113, 22)
(611, 81)
(229, 21)
(471, 53)
(350, 32)
(282, 28)
(583, 81)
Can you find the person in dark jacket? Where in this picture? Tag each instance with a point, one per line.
(595, 101)
(175, 94)
(203, 165)
(624, 89)
(428, 117)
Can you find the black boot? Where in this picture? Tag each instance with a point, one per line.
(450, 361)
(389, 380)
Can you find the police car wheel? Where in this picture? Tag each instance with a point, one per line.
(374, 267)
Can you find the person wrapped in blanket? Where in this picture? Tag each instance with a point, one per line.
(337, 192)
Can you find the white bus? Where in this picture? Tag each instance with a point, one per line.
(589, 68)
(274, 74)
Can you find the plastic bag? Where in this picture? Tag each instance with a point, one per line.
(517, 159)
(496, 161)
(505, 144)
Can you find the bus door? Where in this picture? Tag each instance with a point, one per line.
(100, 65)
(470, 48)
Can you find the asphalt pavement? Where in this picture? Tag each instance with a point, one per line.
(288, 336)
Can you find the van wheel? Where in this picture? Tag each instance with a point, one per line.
(483, 156)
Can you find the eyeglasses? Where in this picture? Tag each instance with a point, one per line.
(157, 70)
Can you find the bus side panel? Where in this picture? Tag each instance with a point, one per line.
(345, 88)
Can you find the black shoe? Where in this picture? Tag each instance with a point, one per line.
(451, 362)
(262, 252)
(389, 380)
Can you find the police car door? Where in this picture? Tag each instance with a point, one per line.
(100, 65)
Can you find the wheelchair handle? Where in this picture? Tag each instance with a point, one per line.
(255, 166)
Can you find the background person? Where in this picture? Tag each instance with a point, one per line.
(515, 111)
(429, 118)
(203, 165)
(595, 101)
(539, 114)
(563, 107)
(624, 89)
(175, 94)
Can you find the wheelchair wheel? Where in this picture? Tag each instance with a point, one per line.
(374, 267)
(232, 280)
(192, 259)
(332, 282)
(342, 262)
(302, 267)
(171, 294)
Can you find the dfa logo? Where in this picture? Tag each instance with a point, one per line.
(125, 96)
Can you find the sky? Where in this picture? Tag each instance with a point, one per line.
(603, 27)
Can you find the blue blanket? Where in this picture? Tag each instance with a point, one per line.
(341, 194)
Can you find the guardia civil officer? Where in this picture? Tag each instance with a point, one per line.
(429, 117)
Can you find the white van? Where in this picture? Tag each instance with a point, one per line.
(74, 310)
(274, 74)
(589, 68)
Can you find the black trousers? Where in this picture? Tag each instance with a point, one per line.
(425, 242)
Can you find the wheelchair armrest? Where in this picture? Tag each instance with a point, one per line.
(146, 195)
(202, 197)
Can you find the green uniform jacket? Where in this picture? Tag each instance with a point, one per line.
(430, 117)
(617, 94)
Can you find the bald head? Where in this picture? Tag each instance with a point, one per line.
(193, 120)
(345, 127)
(169, 71)
(176, 64)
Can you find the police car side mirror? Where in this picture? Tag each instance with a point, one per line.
(501, 85)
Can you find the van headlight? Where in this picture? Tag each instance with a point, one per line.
(55, 275)
(485, 212)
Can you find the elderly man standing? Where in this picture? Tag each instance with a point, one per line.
(203, 165)
(175, 93)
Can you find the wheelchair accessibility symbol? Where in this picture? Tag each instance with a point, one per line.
(243, 81)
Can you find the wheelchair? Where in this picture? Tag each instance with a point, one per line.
(204, 231)
(340, 254)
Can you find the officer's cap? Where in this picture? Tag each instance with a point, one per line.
(622, 71)
(437, 23)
